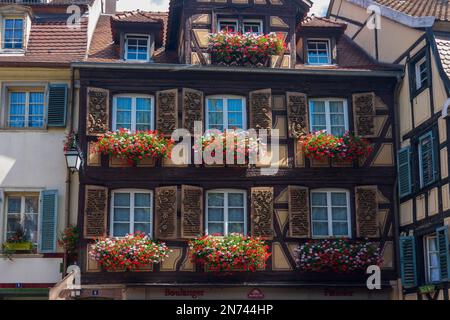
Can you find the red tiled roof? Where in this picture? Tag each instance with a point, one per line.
(320, 22)
(443, 46)
(140, 16)
(51, 40)
(420, 8)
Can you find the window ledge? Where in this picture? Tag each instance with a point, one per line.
(23, 256)
(13, 53)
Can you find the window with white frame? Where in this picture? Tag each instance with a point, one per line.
(225, 112)
(228, 25)
(13, 33)
(252, 26)
(432, 259)
(26, 108)
(318, 51)
(137, 48)
(330, 210)
(131, 212)
(22, 214)
(226, 212)
(421, 73)
(330, 115)
(133, 112)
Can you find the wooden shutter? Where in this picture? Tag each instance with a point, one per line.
(192, 108)
(49, 217)
(442, 240)
(95, 212)
(191, 212)
(404, 171)
(408, 261)
(57, 105)
(167, 111)
(262, 212)
(427, 159)
(297, 106)
(166, 212)
(97, 111)
(367, 212)
(364, 114)
(261, 109)
(299, 215)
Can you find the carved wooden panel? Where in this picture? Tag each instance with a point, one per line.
(97, 111)
(167, 111)
(297, 106)
(192, 108)
(166, 212)
(95, 212)
(261, 109)
(367, 211)
(191, 211)
(262, 212)
(299, 217)
(364, 114)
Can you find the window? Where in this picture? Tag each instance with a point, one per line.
(421, 73)
(134, 112)
(329, 115)
(318, 52)
(432, 259)
(330, 213)
(252, 26)
(137, 48)
(22, 212)
(13, 33)
(131, 212)
(226, 212)
(427, 159)
(225, 112)
(26, 109)
(229, 25)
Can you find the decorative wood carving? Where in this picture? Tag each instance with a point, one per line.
(297, 107)
(367, 212)
(299, 217)
(364, 114)
(166, 212)
(97, 111)
(95, 212)
(167, 111)
(192, 108)
(191, 212)
(262, 212)
(261, 109)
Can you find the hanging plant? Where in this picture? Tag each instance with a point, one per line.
(70, 142)
(321, 145)
(135, 146)
(129, 253)
(233, 252)
(69, 241)
(338, 256)
(244, 49)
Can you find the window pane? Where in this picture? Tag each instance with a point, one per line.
(340, 228)
(236, 228)
(32, 204)
(336, 107)
(216, 199)
(320, 229)
(339, 214)
(236, 214)
(142, 227)
(435, 275)
(319, 198)
(121, 214)
(338, 199)
(142, 200)
(215, 214)
(142, 214)
(236, 200)
(13, 224)
(215, 228)
(14, 204)
(121, 199)
(434, 260)
(30, 227)
(319, 213)
(432, 244)
(121, 229)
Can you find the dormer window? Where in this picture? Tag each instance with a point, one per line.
(137, 48)
(318, 52)
(13, 30)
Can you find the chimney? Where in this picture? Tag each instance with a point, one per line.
(109, 6)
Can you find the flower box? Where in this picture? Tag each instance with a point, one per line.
(231, 253)
(19, 246)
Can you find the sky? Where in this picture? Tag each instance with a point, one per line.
(319, 8)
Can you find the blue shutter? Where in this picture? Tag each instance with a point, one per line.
(404, 171)
(427, 159)
(57, 105)
(408, 261)
(49, 212)
(442, 240)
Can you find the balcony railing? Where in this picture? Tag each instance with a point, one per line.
(46, 2)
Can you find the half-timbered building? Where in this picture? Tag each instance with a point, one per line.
(160, 64)
(415, 35)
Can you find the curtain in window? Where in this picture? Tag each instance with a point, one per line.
(123, 113)
(215, 114)
(226, 213)
(143, 113)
